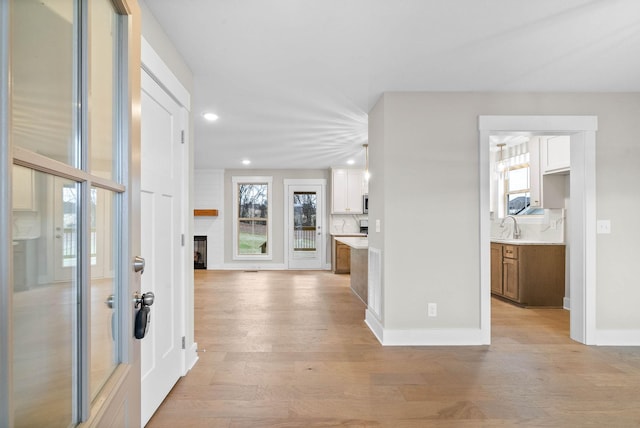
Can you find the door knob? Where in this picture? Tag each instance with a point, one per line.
(145, 300)
(138, 264)
(109, 301)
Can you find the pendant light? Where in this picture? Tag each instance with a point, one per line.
(500, 166)
(366, 162)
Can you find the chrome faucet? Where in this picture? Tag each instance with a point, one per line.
(516, 228)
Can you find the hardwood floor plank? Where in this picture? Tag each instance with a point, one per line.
(290, 349)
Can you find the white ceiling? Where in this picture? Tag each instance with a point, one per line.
(293, 80)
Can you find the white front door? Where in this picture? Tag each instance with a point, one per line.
(161, 224)
(305, 225)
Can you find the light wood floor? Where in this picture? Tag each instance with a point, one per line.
(290, 349)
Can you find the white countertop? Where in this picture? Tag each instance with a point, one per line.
(349, 234)
(356, 242)
(523, 242)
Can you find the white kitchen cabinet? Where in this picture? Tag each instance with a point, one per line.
(23, 189)
(547, 190)
(555, 154)
(346, 191)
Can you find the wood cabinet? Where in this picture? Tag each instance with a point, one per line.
(530, 275)
(347, 187)
(496, 268)
(343, 258)
(340, 256)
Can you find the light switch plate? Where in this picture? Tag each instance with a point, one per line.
(603, 226)
(378, 225)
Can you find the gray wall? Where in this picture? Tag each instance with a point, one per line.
(425, 146)
(276, 214)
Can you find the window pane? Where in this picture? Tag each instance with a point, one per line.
(518, 179)
(252, 201)
(304, 221)
(44, 300)
(102, 86)
(517, 202)
(252, 237)
(42, 72)
(104, 356)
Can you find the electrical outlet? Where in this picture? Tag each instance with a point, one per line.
(432, 309)
(603, 226)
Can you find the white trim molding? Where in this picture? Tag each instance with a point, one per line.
(191, 358)
(618, 337)
(160, 72)
(424, 337)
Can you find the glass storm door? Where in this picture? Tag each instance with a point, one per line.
(68, 229)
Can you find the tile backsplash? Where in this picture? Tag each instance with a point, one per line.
(346, 223)
(550, 228)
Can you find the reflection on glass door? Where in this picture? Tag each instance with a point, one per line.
(66, 224)
(44, 311)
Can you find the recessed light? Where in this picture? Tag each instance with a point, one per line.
(246, 162)
(351, 162)
(211, 117)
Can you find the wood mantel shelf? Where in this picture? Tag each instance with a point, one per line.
(205, 213)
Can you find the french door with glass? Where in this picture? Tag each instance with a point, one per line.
(68, 228)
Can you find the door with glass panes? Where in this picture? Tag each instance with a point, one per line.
(68, 228)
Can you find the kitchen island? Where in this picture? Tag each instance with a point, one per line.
(359, 264)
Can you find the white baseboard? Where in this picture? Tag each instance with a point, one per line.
(252, 266)
(566, 303)
(618, 337)
(424, 337)
(190, 358)
(374, 325)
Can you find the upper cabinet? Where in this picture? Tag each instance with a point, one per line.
(347, 188)
(24, 198)
(555, 155)
(549, 165)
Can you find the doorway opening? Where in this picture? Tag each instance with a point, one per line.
(580, 212)
(529, 197)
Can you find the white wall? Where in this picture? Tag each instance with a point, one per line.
(429, 160)
(208, 189)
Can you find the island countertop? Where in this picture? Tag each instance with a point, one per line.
(355, 242)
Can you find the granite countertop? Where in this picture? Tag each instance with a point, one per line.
(349, 234)
(356, 242)
(523, 242)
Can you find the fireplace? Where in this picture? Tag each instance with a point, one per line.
(199, 252)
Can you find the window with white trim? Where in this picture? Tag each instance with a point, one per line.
(251, 218)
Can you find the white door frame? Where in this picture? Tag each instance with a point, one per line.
(322, 244)
(581, 214)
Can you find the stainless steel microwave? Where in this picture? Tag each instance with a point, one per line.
(365, 203)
